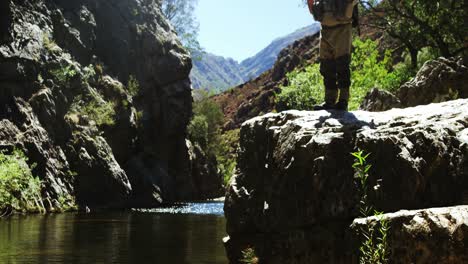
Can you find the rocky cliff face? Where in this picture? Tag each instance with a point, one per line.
(62, 101)
(294, 195)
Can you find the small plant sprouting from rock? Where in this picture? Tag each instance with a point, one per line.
(361, 169)
(249, 256)
(66, 203)
(89, 73)
(63, 74)
(374, 249)
(19, 189)
(103, 113)
(133, 86)
(48, 43)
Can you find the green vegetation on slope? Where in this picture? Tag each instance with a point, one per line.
(205, 131)
(19, 189)
(95, 108)
(369, 70)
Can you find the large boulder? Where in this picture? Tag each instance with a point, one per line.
(437, 81)
(379, 100)
(295, 175)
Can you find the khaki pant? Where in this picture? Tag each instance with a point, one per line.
(335, 58)
(336, 41)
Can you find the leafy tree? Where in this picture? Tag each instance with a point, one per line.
(180, 14)
(421, 23)
(198, 130)
(207, 120)
(205, 130)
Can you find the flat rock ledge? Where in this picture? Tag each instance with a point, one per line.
(294, 195)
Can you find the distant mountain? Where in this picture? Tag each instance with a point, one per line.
(218, 73)
(215, 73)
(265, 59)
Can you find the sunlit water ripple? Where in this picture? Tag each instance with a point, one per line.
(205, 208)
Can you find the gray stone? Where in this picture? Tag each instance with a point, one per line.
(437, 81)
(295, 173)
(207, 180)
(438, 235)
(379, 100)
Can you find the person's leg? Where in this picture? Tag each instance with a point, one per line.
(328, 69)
(343, 61)
(344, 81)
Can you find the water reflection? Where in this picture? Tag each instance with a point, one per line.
(123, 237)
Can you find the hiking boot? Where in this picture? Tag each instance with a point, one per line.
(324, 106)
(342, 106)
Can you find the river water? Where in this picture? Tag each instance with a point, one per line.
(178, 235)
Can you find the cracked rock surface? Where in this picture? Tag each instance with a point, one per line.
(295, 173)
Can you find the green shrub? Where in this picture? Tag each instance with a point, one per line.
(19, 189)
(305, 89)
(63, 74)
(205, 130)
(133, 86)
(100, 111)
(103, 113)
(67, 202)
(368, 70)
(426, 54)
(49, 44)
(214, 117)
(249, 256)
(198, 130)
(226, 156)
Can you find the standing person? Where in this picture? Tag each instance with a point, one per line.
(336, 18)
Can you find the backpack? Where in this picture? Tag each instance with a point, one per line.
(320, 7)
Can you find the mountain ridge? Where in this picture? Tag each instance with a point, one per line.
(217, 73)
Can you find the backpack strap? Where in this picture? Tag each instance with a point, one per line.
(310, 3)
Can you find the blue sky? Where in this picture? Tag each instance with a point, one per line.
(241, 28)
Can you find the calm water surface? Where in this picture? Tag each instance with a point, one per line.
(190, 234)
